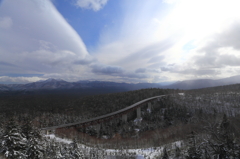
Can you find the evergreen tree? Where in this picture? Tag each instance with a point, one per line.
(27, 128)
(52, 150)
(76, 152)
(165, 154)
(35, 148)
(193, 151)
(93, 153)
(66, 153)
(177, 152)
(13, 142)
(206, 154)
(222, 142)
(58, 154)
(1, 137)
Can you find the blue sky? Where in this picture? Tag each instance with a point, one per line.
(118, 40)
(88, 23)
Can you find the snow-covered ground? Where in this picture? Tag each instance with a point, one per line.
(58, 139)
(150, 153)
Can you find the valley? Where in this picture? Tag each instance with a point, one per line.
(181, 116)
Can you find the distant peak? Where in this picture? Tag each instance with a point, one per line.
(52, 80)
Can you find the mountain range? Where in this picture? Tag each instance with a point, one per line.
(54, 84)
(203, 83)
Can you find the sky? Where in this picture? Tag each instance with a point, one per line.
(119, 40)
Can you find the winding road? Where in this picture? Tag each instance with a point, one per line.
(105, 117)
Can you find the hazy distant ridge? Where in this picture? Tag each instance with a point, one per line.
(203, 83)
(51, 84)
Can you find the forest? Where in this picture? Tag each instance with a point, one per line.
(199, 124)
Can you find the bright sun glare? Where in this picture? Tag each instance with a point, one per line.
(200, 18)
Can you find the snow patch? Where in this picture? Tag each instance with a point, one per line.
(138, 120)
(181, 94)
(58, 139)
(150, 153)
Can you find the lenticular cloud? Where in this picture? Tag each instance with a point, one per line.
(36, 27)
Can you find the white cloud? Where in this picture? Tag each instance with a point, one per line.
(95, 5)
(149, 42)
(40, 41)
(38, 24)
(19, 80)
(5, 22)
(152, 37)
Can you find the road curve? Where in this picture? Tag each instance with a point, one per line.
(92, 120)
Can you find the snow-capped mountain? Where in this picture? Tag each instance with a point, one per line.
(49, 84)
(55, 84)
(4, 87)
